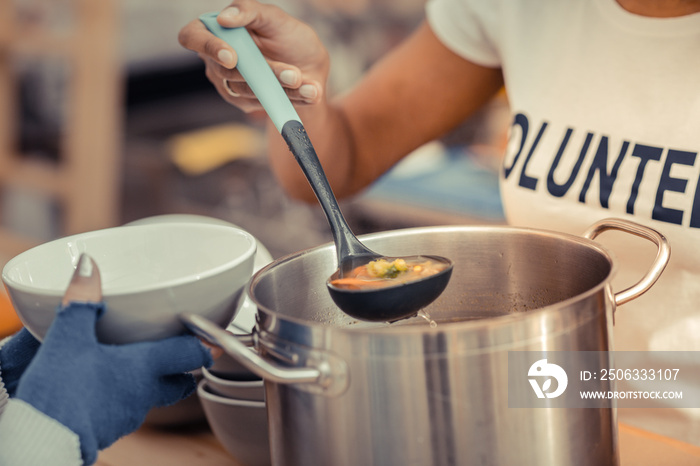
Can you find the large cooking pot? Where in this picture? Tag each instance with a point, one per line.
(343, 392)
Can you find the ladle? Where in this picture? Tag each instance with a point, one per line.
(377, 304)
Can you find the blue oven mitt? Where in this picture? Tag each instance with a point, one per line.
(15, 356)
(103, 392)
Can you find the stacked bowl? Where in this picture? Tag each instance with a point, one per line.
(233, 400)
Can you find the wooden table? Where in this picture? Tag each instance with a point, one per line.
(157, 447)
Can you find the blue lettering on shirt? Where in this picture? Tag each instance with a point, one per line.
(559, 190)
(668, 183)
(646, 154)
(600, 165)
(525, 180)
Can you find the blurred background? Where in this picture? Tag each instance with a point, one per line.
(105, 119)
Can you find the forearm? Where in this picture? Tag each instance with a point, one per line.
(29, 437)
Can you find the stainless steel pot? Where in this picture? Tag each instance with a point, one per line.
(342, 392)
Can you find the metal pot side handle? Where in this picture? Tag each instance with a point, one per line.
(663, 253)
(325, 377)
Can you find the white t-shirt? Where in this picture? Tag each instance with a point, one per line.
(606, 123)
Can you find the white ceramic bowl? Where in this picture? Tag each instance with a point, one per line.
(239, 425)
(245, 314)
(150, 275)
(252, 389)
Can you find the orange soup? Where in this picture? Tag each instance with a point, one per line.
(382, 273)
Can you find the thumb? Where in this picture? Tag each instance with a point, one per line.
(267, 20)
(75, 322)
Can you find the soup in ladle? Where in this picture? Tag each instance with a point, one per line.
(383, 273)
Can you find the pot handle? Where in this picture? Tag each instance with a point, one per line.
(663, 253)
(321, 375)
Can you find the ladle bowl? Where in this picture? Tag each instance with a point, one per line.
(389, 303)
(367, 304)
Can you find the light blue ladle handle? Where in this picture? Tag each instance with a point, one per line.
(256, 71)
(264, 84)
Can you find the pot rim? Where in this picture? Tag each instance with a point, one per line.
(384, 328)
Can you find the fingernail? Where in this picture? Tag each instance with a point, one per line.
(225, 58)
(308, 91)
(230, 13)
(289, 77)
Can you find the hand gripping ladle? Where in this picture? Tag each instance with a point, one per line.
(386, 304)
